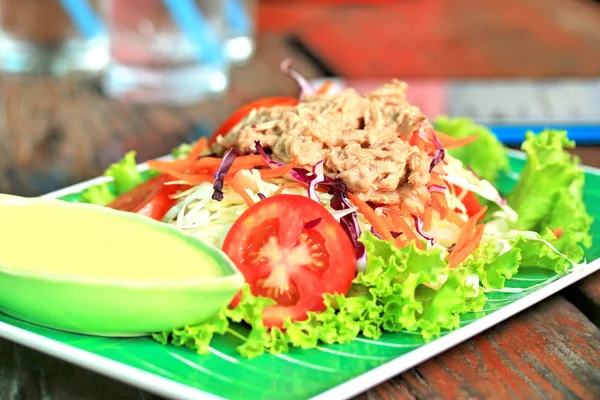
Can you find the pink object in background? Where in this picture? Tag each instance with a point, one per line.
(430, 95)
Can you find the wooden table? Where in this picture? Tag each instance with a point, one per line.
(55, 133)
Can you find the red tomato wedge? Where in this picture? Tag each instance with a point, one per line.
(470, 201)
(241, 112)
(151, 198)
(284, 259)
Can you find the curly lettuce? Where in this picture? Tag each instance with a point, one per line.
(401, 290)
(548, 195)
(486, 156)
(182, 150)
(125, 173)
(125, 176)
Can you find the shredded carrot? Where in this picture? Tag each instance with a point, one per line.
(375, 220)
(436, 179)
(192, 179)
(325, 87)
(280, 171)
(247, 162)
(406, 229)
(238, 186)
(207, 162)
(459, 255)
(200, 146)
(181, 165)
(450, 142)
(427, 216)
(389, 222)
(558, 232)
(420, 143)
(401, 225)
(400, 242)
(289, 185)
(440, 204)
(453, 217)
(468, 229)
(477, 216)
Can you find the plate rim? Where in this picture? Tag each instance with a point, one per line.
(172, 389)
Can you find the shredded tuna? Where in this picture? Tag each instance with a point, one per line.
(361, 140)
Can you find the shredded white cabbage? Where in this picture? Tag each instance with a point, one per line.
(460, 176)
(201, 216)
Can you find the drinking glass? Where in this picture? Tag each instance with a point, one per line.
(166, 51)
(51, 37)
(240, 28)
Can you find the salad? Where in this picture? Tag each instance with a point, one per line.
(355, 215)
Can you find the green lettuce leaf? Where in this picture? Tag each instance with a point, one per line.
(549, 195)
(101, 194)
(182, 150)
(492, 266)
(537, 253)
(125, 177)
(125, 173)
(486, 156)
(401, 290)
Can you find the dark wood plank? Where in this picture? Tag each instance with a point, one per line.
(551, 351)
(591, 288)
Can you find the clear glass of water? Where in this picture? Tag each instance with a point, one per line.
(240, 16)
(166, 51)
(54, 37)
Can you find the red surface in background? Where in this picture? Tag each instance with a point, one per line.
(437, 38)
(429, 95)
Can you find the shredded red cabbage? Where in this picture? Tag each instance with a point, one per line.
(349, 223)
(439, 153)
(261, 196)
(294, 173)
(306, 89)
(437, 188)
(377, 235)
(219, 175)
(313, 223)
(299, 174)
(419, 228)
(265, 156)
(318, 177)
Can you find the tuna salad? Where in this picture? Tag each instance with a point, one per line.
(362, 140)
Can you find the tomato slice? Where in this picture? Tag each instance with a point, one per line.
(241, 112)
(151, 198)
(469, 200)
(284, 259)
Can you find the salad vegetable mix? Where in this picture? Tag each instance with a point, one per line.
(396, 226)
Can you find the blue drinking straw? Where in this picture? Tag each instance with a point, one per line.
(237, 17)
(84, 18)
(189, 18)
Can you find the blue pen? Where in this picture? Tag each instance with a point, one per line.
(84, 18)
(237, 17)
